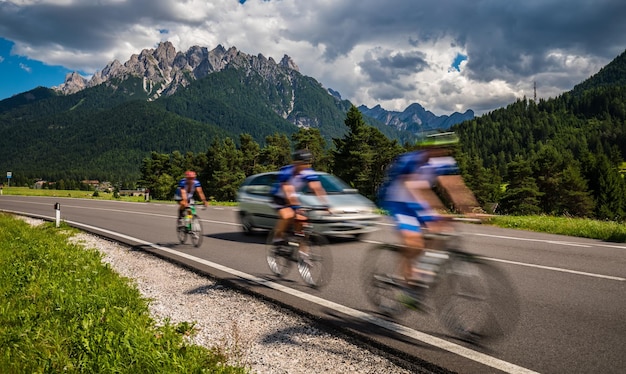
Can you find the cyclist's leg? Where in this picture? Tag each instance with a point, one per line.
(181, 209)
(408, 225)
(285, 216)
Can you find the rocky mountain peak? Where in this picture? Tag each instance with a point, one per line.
(415, 118)
(288, 63)
(74, 82)
(164, 70)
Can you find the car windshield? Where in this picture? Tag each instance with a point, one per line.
(332, 184)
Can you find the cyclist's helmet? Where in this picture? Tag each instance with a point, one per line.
(439, 140)
(302, 156)
(190, 174)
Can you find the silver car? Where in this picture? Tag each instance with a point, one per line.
(350, 212)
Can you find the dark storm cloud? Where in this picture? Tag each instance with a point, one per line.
(559, 41)
(502, 38)
(84, 26)
(385, 66)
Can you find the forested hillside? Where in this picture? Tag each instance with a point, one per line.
(557, 156)
(103, 132)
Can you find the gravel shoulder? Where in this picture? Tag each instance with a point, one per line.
(255, 333)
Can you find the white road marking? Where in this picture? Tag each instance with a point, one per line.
(562, 270)
(610, 277)
(574, 244)
(392, 326)
(134, 212)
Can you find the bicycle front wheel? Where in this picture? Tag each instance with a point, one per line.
(475, 300)
(181, 231)
(380, 281)
(278, 256)
(196, 231)
(316, 267)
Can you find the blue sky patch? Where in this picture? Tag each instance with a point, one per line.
(20, 74)
(456, 64)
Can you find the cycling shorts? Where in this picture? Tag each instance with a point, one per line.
(410, 215)
(279, 202)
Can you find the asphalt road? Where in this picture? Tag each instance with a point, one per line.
(572, 290)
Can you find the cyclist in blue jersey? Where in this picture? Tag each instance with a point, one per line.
(291, 180)
(409, 178)
(185, 191)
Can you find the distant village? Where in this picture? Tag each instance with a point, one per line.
(90, 185)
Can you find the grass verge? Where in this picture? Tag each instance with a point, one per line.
(26, 191)
(580, 227)
(61, 309)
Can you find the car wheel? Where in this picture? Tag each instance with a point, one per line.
(247, 227)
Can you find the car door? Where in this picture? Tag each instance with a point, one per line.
(260, 200)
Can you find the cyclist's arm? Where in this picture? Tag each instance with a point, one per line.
(417, 188)
(183, 196)
(318, 190)
(290, 193)
(201, 194)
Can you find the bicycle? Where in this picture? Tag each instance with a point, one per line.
(472, 298)
(315, 268)
(191, 226)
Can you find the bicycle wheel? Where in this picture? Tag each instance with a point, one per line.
(380, 280)
(316, 268)
(278, 256)
(181, 231)
(475, 300)
(196, 231)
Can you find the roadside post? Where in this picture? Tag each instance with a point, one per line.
(57, 209)
(9, 175)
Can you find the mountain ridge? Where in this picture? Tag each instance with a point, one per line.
(164, 71)
(415, 118)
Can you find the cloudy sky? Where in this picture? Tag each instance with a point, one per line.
(448, 55)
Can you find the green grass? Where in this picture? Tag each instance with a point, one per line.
(62, 310)
(26, 191)
(580, 227)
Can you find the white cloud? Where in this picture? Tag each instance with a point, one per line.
(25, 67)
(391, 53)
(1, 58)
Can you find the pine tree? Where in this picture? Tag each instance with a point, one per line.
(312, 140)
(522, 194)
(224, 172)
(250, 152)
(360, 157)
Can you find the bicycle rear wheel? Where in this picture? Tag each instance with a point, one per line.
(278, 256)
(317, 267)
(475, 300)
(380, 279)
(196, 231)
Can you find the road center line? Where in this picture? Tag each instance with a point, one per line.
(562, 270)
(610, 277)
(392, 326)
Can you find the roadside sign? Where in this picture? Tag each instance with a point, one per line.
(9, 174)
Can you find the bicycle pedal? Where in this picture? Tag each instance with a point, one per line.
(411, 300)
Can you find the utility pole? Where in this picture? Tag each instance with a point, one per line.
(535, 88)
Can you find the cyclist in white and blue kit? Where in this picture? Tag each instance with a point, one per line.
(293, 179)
(408, 179)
